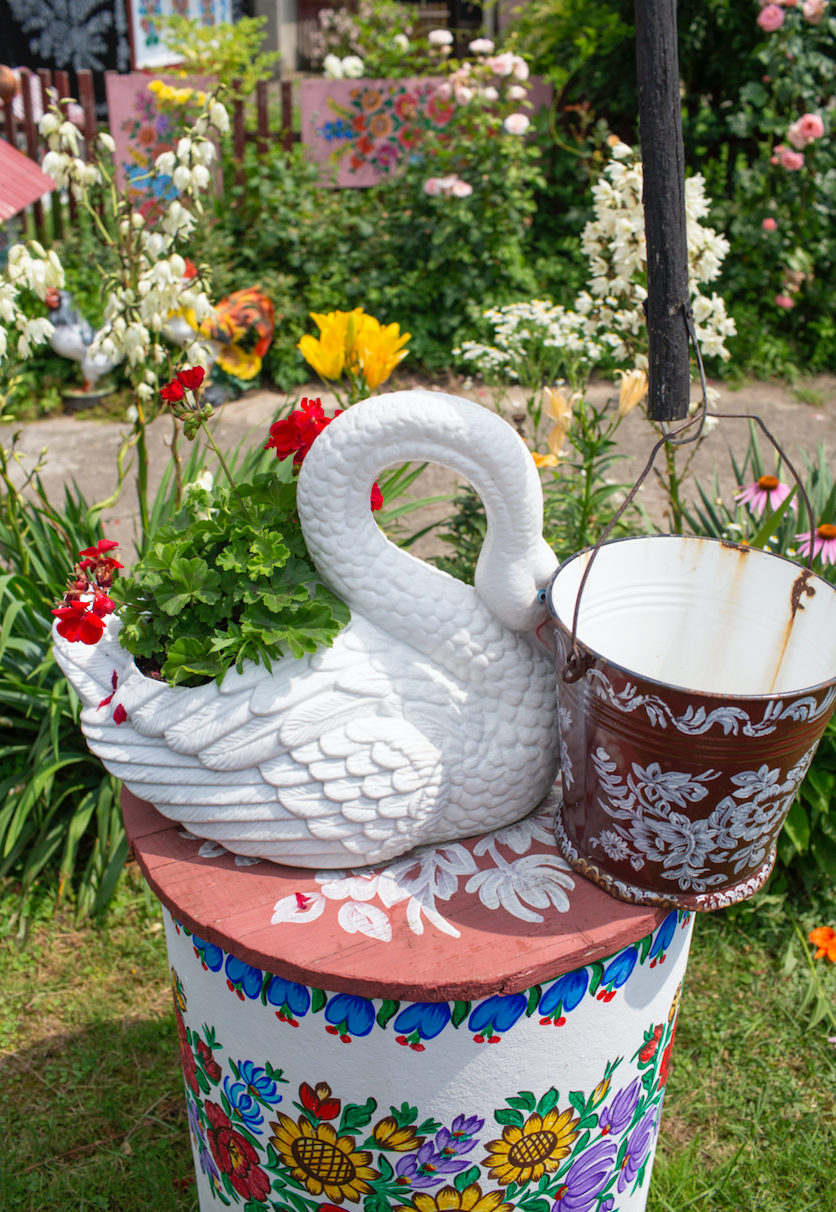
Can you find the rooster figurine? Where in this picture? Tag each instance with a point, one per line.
(73, 336)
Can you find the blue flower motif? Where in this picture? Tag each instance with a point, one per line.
(241, 976)
(244, 1104)
(427, 1018)
(354, 1014)
(565, 994)
(616, 973)
(663, 937)
(210, 956)
(293, 1000)
(499, 1013)
(258, 1083)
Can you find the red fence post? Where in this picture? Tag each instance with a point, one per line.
(31, 133)
(62, 83)
(287, 115)
(87, 101)
(263, 117)
(238, 133)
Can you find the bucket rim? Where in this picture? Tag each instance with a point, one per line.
(586, 649)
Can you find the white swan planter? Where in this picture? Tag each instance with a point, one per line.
(432, 716)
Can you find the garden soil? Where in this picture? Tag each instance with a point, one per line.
(84, 450)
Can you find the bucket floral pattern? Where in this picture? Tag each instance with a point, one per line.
(648, 828)
(266, 1145)
(416, 1024)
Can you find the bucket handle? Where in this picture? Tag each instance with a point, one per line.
(576, 664)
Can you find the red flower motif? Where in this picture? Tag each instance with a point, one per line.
(186, 1058)
(649, 1050)
(191, 379)
(208, 1061)
(319, 1102)
(664, 1066)
(79, 623)
(295, 435)
(172, 392)
(119, 714)
(235, 1155)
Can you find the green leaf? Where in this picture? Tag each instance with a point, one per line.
(356, 1115)
(547, 1102)
(755, 94)
(465, 1177)
(191, 580)
(387, 1011)
(524, 1101)
(534, 995)
(319, 1000)
(772, 522)
(797, 827)
(578, 1101)
(505, 1115)
(460, 1012)
(188, 656)
(597, 976)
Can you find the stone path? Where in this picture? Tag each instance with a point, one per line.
(85, 450)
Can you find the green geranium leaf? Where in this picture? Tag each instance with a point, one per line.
(190, 580)
(191, 656)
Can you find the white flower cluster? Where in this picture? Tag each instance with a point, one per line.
(29, 268)
(349, 68)
(447, 187)
(614, 242)
(521, 329)
(188, 166)
(62, 162)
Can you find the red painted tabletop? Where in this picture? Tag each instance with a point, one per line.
(490, 914)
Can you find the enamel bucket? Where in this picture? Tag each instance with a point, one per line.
(707, 677)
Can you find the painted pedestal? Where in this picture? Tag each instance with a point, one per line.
(474, 1027)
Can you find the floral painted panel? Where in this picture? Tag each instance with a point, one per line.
(276, 1124)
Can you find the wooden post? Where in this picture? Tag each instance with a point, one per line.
(62, 83)
(263, 117)
(663, 161)
(238, 133)
(31, 133)
(87, 101)
(9, 123)
(287, 115)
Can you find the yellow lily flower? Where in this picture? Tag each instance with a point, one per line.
(559, 407)
(333, 351)
(633, 390)
(379, 350)
(541, 461)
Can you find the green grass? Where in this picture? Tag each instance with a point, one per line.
(92, 1115)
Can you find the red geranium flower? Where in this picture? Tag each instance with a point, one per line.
(102, 605)
(295, 435)
(119, 714)
(377, 498)
(235, 1155)
(77, 622)
(172, 392)
(319, 1102)
(191, 379)
(96, 557)
(207, 1059)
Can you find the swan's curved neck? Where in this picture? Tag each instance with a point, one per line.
(399, 593)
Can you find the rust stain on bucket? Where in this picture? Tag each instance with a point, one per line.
(800, 587)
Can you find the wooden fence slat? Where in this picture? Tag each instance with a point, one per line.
(45, 77)
(31, 133)
(9, 123)
(238, 133)
(287, 115)
(263, 117)
(87, 101)
(62, 83)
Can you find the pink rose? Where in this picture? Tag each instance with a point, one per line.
(444, 91)
(771, 18)
(796, 138)
(791, 160)
(769, 225)
(432, 187)
(461, 189)
(501, 65)
(784, 301)
(811, 126)
(517, 124)
(813, 10)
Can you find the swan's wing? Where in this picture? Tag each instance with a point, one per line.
(313, 764)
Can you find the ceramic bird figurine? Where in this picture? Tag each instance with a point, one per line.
(431, 717)
(72, 337)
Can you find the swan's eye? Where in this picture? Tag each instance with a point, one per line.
(541, 596)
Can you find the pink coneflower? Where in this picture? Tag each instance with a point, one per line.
(768, 490)
(824, 543)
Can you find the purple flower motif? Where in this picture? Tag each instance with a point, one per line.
(467, 1125)
(638, 1147)
(194, 1120)
(586, 1178)
(615, 1117)
(435, 1159)
(607, 1205)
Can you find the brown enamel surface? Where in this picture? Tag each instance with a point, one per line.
(496, 952)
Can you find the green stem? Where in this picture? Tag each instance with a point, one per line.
(226, 470)
(813, 973)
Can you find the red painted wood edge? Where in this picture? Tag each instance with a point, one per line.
(496, 952)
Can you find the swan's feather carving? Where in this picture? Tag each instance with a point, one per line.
(431, 717)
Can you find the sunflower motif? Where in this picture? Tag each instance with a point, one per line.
(448, 1199)
(322, 1160)
(524, 1155)
(388, 1135)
